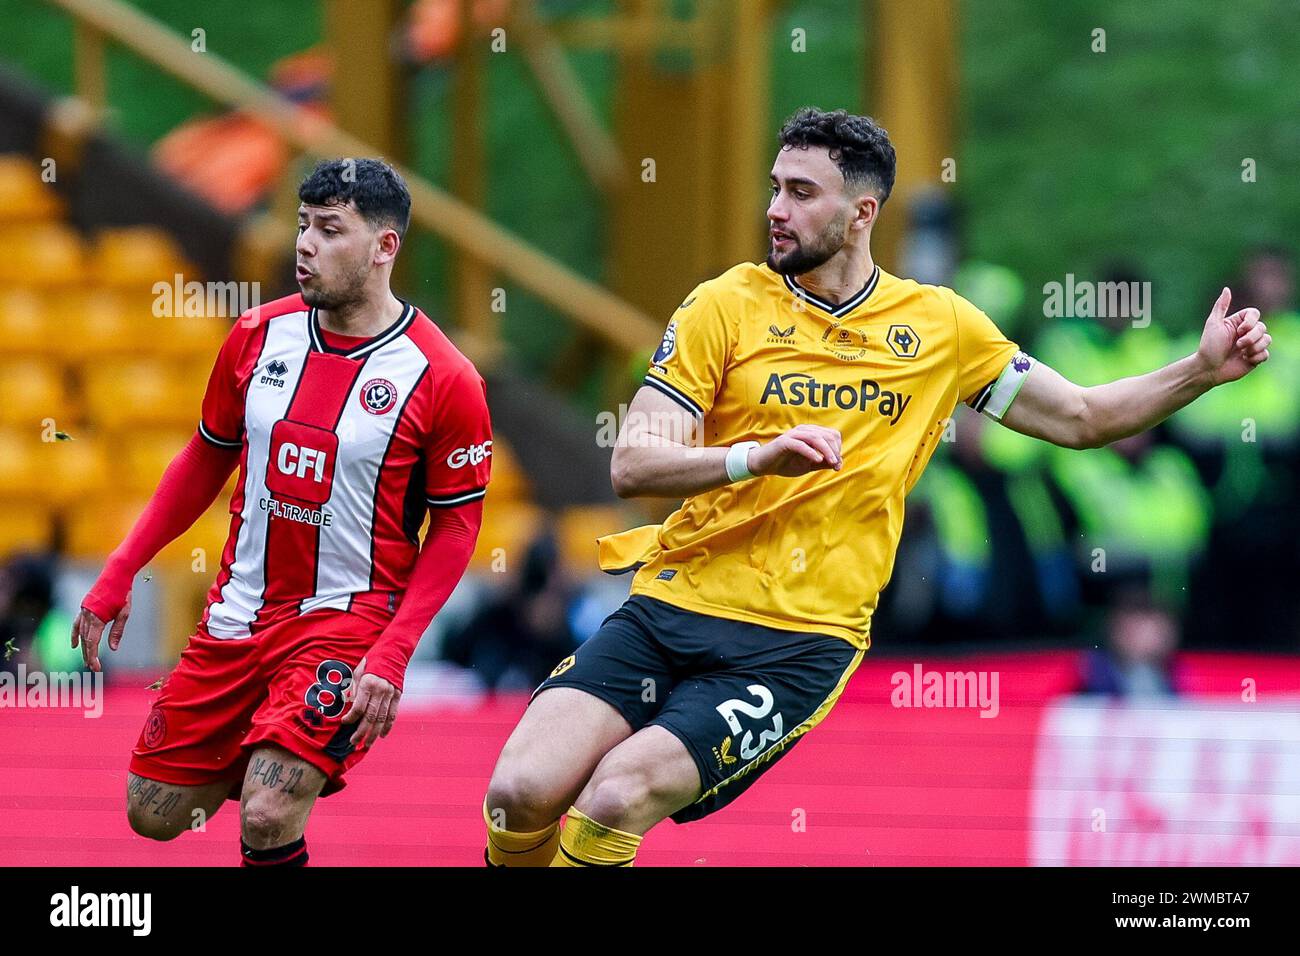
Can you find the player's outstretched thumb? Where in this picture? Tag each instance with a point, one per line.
(1221, 304)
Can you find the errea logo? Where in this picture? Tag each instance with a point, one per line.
(274, 374)
(473, 455)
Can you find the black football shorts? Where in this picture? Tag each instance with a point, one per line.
(738, 695)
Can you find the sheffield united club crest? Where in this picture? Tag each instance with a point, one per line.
(155, 728)
(378, 396)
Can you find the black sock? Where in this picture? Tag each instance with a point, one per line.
(291, 854)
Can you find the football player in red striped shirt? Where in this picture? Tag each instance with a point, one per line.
(350, 417)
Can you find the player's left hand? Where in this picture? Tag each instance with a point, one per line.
(1232, 345)
(87, 630)
(374, 704)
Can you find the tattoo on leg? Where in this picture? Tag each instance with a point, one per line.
(274, 775)
(152, 795)
(168, 804)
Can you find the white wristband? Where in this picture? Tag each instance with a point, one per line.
(738, 460)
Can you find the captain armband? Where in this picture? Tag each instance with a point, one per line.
(996, 397)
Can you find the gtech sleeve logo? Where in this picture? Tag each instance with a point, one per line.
(800, 388)
(473, 455)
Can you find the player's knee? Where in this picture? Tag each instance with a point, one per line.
(522, 801)
(618, 796)
(267, 821)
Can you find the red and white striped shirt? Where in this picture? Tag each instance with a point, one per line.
(345, 443)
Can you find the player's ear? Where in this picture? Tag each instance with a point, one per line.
(389, 243)
(866, 210)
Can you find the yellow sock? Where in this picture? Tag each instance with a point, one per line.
(505, 848)
(584, 842)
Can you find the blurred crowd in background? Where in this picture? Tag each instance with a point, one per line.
(1185, 535)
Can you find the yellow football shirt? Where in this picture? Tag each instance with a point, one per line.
(752, 354)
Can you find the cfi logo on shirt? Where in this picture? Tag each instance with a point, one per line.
(378, 396)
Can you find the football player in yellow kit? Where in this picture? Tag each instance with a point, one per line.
(792, 404)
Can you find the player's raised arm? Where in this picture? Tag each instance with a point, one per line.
(1050, 407)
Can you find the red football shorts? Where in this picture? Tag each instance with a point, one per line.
(283, 686)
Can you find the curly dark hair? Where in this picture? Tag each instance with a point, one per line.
(858, 145)
(379, 193)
